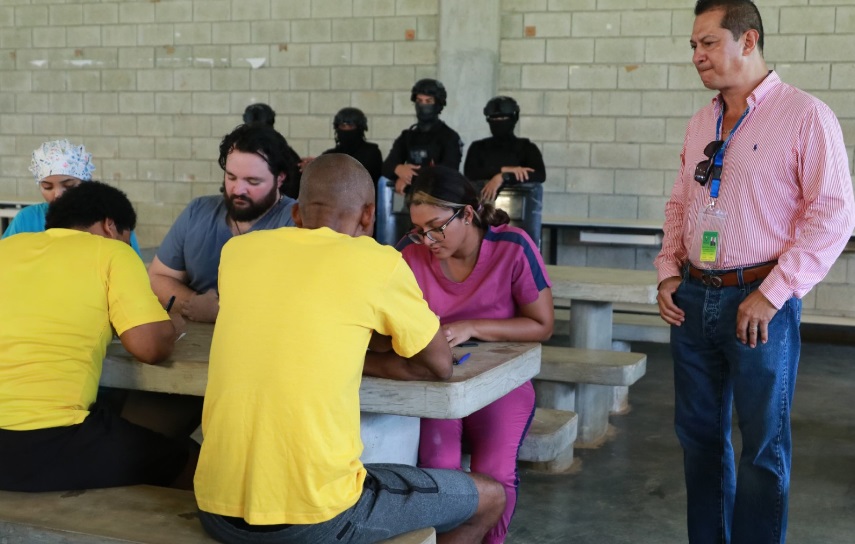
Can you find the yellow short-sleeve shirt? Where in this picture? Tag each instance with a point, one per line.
(61, 290)
(281, 416)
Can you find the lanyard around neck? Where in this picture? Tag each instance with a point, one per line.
(718, 159)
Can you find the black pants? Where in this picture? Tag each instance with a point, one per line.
(102, 451)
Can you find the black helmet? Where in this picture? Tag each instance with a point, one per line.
(259, 113)
(430, 87)
(502, 106)
(351, 116)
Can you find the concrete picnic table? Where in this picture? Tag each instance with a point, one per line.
(390, 409)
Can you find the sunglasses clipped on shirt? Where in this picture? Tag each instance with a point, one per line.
(706, 170)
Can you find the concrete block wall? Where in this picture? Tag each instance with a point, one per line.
(606, 88)
(150, 87)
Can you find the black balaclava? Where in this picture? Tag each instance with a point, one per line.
(427, 114)
(349, 140)
(502, 128)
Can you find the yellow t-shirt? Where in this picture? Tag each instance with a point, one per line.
(59, 292)
(281, 415)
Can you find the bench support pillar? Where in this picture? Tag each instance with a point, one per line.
(591, 328)
(620, 399)
(560, 464)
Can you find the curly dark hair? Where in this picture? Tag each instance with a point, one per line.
(267, 143)
(89, 203)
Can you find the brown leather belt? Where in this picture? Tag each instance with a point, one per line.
(731, 277)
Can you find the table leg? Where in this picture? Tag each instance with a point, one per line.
(591, 328)
(553, 245)
(389, 439)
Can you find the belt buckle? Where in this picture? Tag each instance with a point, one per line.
(711, 281)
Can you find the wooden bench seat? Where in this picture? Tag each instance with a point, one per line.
(138, 514)
(548, 446)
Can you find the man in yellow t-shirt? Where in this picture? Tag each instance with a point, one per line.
(63, 291)
(298, 307)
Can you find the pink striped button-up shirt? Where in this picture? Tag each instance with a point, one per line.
(785, 187)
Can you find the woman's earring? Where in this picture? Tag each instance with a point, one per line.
(466, 222)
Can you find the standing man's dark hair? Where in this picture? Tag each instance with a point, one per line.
(259, 113)
(89, 203)
(265, 142)
(739, 16)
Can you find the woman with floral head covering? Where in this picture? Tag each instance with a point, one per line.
(57, 165)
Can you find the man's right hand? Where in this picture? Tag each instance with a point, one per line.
(491, 188)
(519, 172)
(405, 173)
(668, 310)
(202, 308)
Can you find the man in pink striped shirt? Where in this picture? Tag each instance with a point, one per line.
(759, 212)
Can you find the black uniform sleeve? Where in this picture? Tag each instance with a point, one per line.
(397, 155)
(475, 167)
(452, 152)
(374, 162)
(533, 159)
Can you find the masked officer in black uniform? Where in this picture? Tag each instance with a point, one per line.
(350, 125)
(428, 142)
(504, 159)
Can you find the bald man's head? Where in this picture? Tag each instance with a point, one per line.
(336, 191)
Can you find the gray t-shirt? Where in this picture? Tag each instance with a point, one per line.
(194, 242)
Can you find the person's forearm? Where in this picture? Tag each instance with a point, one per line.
(394, 367)
(166, 287)
(150, 343)
(516, 329)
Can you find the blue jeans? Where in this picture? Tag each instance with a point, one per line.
(713, 370)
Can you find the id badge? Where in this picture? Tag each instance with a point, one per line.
(706, 244)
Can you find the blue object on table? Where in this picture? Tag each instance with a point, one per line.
(462, 360)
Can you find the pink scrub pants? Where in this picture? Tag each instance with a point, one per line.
(494, 435)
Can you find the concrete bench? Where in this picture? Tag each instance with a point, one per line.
(562, 368)
(548, 446)
(138, 514)
(603, 367)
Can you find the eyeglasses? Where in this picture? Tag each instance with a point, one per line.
(705, 170)
(419, 237)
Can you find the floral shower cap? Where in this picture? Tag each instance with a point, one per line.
(59, 157)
